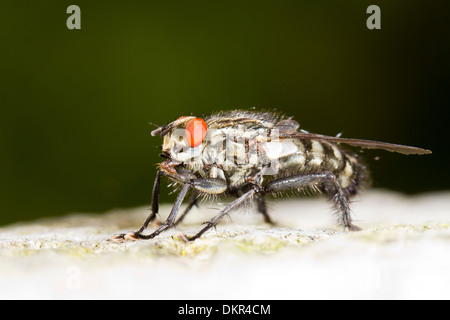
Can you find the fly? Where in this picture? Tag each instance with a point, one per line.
(249, 155)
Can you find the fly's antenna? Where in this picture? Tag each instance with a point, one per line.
(152, 124)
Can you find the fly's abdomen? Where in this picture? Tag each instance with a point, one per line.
(353, 176)
(325, 156)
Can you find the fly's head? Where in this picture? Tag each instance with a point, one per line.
(184, 139)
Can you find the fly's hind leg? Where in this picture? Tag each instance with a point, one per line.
(341, 200)
(328, 182)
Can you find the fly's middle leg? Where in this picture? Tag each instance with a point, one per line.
(190, 205)
(233, 205)
(262, 208)
(328, 182)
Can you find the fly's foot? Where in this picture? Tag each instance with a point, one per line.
(131, 236)
(118, 237)
(181, 236)
(124, 236)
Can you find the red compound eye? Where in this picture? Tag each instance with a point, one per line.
(196, 132)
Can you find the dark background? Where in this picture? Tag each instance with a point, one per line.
(75, 104)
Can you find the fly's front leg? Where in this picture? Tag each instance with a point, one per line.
(169, 222)
(155, 202)
(328, 182)
(154, 209)
(212, 186)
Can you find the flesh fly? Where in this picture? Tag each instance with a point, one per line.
(249, 155)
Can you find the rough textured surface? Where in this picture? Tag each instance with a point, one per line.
(403, 252)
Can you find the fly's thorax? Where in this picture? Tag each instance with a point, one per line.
(228, 147)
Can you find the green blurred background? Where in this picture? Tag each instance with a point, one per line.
(75, 104)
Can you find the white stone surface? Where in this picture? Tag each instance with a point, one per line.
(402, 253)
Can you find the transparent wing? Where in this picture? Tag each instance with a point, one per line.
(368, 144)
